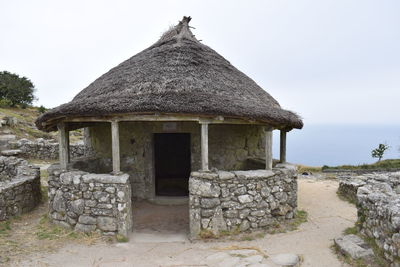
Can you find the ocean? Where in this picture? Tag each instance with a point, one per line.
(318, 144)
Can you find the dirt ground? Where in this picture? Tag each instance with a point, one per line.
(328, 216)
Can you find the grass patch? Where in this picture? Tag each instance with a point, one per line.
(47, 230)
(121, 238)
(351, 231)
(383, 164)
(5, 227)
(304, 168)
(207, 234)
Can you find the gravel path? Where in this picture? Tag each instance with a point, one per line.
(328, 216)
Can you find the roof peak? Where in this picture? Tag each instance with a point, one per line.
(179, 31)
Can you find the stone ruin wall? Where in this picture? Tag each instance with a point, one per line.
(378, 209)
(229, 148)
(244, 200)
(46, 150)
(89, 202)
(19, 187)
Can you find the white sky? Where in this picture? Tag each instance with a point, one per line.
(332, 61)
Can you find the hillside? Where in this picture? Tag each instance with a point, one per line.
(21, 123)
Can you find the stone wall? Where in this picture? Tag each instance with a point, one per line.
(47, 150)
(378, 210)
(19, 187)
(225, 201)
(90, 202)
(235, 142)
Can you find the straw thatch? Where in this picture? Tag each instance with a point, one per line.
(177, 75)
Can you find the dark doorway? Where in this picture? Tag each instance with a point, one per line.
(172, 163)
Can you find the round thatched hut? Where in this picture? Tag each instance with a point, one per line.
(163, 123)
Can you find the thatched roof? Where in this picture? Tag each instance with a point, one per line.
(179, 75)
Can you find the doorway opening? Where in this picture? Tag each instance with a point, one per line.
(172, 163)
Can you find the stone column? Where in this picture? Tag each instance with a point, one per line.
(63, 141)
(282, 153)
(115, 147)
(268, 148)
(204, 146)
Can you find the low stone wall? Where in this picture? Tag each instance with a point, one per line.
(90, 202)
(247, 200)
(349, 184)
(19, 187)
(378, 209)
(45, 149)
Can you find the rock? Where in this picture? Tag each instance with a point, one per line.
(101, 196)
(245, 199)
(244, 252)
(229, 262)
(353, 246)
(217, 222)
(77, 206)
(217, 257)
(11, 152)
(209, 202)
(254, 174)
(84, 228)
(106, 223)
(254, 259)
(224, 175)
(286, 259)
(204, 189)
(59, 202)
(86, 219)
(245, 225)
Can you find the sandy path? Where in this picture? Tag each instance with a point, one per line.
(328, 217)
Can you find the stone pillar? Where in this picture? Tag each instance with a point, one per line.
(204, 146)
(115, 147)
(63, 141)
(282, 153)
(268, 148)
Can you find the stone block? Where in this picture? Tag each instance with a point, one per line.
(353, 246)
(203, 188)
(106, 223)
(245, 199)
(208, 203)
(86, 228)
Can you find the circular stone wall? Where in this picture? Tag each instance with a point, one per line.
(19, 187)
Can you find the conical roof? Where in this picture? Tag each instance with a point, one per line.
(176, 75)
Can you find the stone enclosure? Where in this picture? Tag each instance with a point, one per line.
(377, 198)
(90, 202)
(19, 187)
(218, 200)
(244, 200)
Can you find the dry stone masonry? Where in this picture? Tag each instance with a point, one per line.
(378, 206)
(19, 187)
(45, 149)
(90, 202)
(244, 200)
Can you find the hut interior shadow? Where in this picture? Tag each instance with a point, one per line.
(172, 162)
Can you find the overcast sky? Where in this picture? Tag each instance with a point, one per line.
(331, 61)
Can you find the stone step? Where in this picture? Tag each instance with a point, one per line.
(10, 152)
(354, 247)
